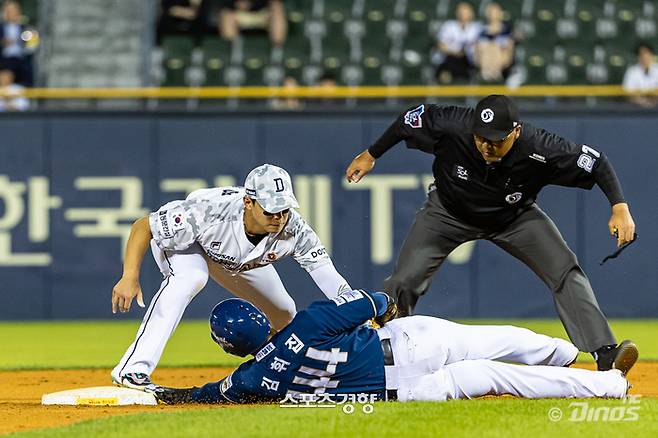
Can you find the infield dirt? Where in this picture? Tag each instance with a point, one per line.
(21, 391)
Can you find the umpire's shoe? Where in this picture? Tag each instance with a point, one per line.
(173, 396)
(138, 381)
(622, 357)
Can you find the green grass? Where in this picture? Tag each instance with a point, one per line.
(100, 344)
(462, 418)
(94, 344)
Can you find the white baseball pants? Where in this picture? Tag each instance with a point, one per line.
(440, 360)
(185, 274)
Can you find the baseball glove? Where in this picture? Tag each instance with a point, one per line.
(390, 313)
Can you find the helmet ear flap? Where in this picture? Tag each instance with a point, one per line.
(239, 327)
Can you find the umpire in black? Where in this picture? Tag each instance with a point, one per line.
(488, 169)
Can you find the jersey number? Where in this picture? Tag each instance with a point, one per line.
(323, 377)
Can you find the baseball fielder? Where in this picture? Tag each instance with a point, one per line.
(233, 235)
(327, 351)
(488, 169)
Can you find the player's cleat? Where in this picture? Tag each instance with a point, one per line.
(173, 396)
(138, 381)
(622, 357)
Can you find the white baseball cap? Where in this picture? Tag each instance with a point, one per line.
(271, 187)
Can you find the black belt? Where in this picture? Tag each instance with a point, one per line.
(391, 394)
(388, 352)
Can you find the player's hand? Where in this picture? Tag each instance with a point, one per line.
(124, 292)
(360, 166)
(390, 313)
(621, 224)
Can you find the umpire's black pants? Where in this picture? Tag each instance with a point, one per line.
(532, 238)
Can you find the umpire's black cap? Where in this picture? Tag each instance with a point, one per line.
(495, 117)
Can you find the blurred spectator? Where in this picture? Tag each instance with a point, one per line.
(494, 50)
(643, 76)
(288, 103)
(455, 45)
(237, 15)
(327, 81)
(15, 57)
(181, 17)
(11, 94)
(326, 84)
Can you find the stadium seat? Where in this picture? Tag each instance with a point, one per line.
(386, 8)
(335, 17)
(413, 74)
(177, 52)
(374, 56)
(418, 16)
(546, 16)
(335, 52)
(299, 10)
(341, 10)
(296, 54)
(626, 14)
(536, 59)
(375, 21)
(578, 58)
(518, 9)
(255, 50)
(618, 58)
(216, 56)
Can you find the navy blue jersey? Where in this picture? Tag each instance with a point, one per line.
(325, 349)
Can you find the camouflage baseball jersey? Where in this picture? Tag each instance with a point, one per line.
(213, 218)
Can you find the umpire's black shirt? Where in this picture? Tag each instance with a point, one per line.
(491, 196)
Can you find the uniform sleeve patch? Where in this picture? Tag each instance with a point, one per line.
(163, 225)
(227, 383)
(347, 297)
(413, 117)
(178, 222)
(265, 351)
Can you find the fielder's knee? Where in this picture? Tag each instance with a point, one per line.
(193, 280)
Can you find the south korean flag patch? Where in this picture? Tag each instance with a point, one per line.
(413, 117)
